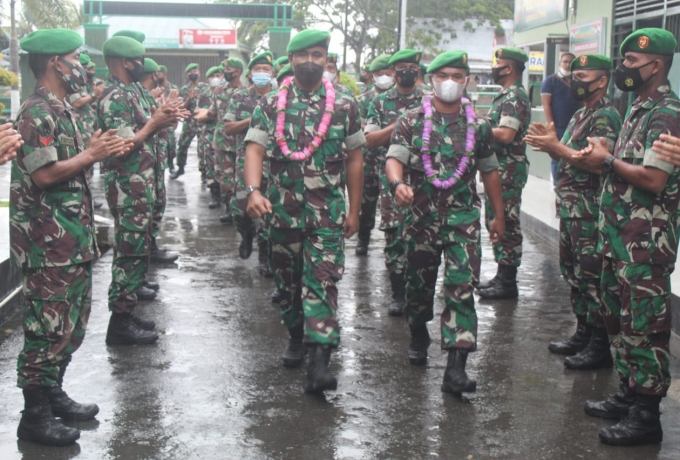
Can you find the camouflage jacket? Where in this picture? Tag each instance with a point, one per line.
(511, 108)
(637, 226)
(241, 107)
(202, 99)
(447, 148)
(161, 138)
(219, 106)
(53, 226)
(578, 191)
(310, 193)
(87, 114)
(121, 107)
(371, 157)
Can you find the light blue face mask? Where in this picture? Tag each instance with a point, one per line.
(261, 79)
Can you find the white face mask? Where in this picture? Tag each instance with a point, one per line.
(564, 73)
(384, 81)
(449, 90)
(329, 75)
(215, 82)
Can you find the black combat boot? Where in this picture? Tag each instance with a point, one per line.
(263, 259)
(160, 255)
(178, 172)
(576, 342)
(597, 355)
(123, 331)
(65, 407)
(456, 380)
(363, 238)
(505, 287)
(38, 423)
(214, 197)
(616, 406)
(227, 217)
(319, 377)
(246, 229)
(171, 166)
(96, 204)
(641, 426)
(398, 303)
(144, 293)
(277, 296)
(145, 324)
(204, 177)
(151, 285)
(492, 281)
(420, 342)
(295, 353)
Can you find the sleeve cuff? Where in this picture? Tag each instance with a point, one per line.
(652, 160)
(371, 129)
(399, 153)
(258, 136)
(40, 157)
(229, 116)
(546, 94)
(126, 132)
(487, 164)
(355, 141)
(74, 97)
(510, 122)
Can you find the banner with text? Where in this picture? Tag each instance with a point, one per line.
(590, 38)
(207, 38)
(534, 13)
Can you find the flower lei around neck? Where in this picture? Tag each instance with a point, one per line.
(470, 136)
(319, 134)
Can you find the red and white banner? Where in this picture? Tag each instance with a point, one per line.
(207, 38)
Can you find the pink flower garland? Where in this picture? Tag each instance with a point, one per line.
(319, 134)
(469, 145)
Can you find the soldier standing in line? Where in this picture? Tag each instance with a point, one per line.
(638, 239)
(510, 115)
(578, 207)
(172, 141)
(52, 234)
(383, 78)
(382, 115)
(306, 198)
(207, 136)
(130, 184)
(332, 73)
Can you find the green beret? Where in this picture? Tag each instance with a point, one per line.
(91, 65)
(380, 63)
(220, 68)
(234, 63)
(212, 71)
(150, 66)
(162, 68)
(515, 54)
(286, 71)
(591, 62)
(283, 60)
(308, 38)
(123, 47)
(365, 68)
(406, 56)
(138, 36)
(84, 59)
(650, 41)
(51, 42)
(457, 59)
(332, 58)
(423, 67)
(191, 67)
(263, 58)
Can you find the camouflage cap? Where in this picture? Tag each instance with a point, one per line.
(650, 41)
(123, 47)
(133, 34)
(150, 66)
(591, 62)
(457, 59)
(191, 67)
(308, 38)
(380, 63)
(162, 68)
(515, 54)
(84, 58)
(407, 55)
(51, 41)
(263, 58)
(212, 71)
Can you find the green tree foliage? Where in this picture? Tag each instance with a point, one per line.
(47, 14)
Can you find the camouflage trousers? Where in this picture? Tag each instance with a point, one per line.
(509, 250)
(206, 154)
(190, 129)
(307, 265)
(460, 244)
(636, 307)
(239, 202)
(172, 145)
(369, 203)
(57, 304)
(225, 173)
(581, 266)
(161, 201)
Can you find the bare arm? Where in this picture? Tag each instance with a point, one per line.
(546, 100)
(236, 127)
(379, 138)
(492, 188)
(354, 167)
(394, 170)
(504, 135)
(258, 205)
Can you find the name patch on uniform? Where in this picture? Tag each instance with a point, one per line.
(66, 141)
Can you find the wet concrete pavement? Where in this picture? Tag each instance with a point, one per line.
(213, 387)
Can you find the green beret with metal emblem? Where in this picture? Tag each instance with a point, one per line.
(457, 59)
(51, 42)
(650, 41)
(211, 71)
(263, 58)
(406, 56)
(332, 58)
(123, 47)
(234, 63)
(150, 66)
(133, 34)
(380, 63)
(591, 62)
(286, 71)
(191, 67)
(308, 38)
(162, 68)
(515, 54)
(84, 58)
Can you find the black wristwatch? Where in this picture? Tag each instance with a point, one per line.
(251, 188)
(607, 164)
(394, 184)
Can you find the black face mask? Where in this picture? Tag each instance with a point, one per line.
(630, 79)
(137, 73)
(309, 73)
(496, 73)
(161, 81)
(90, 76)
(406, 78)
(193, 76)
(229, 76)
(580, 90)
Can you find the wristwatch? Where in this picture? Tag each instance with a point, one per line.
(607, 164)
(251, 188)
(394, 184)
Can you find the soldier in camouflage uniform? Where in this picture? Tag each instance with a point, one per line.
(578, 207)
(52, 234)
(638, 240)
(384, 74)
(333, 74)
(85, 100)
(130, 184)
(306, 200)
(172, 141)
(382, 115)
(510, 115)
(207, 136)
(237, 120)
